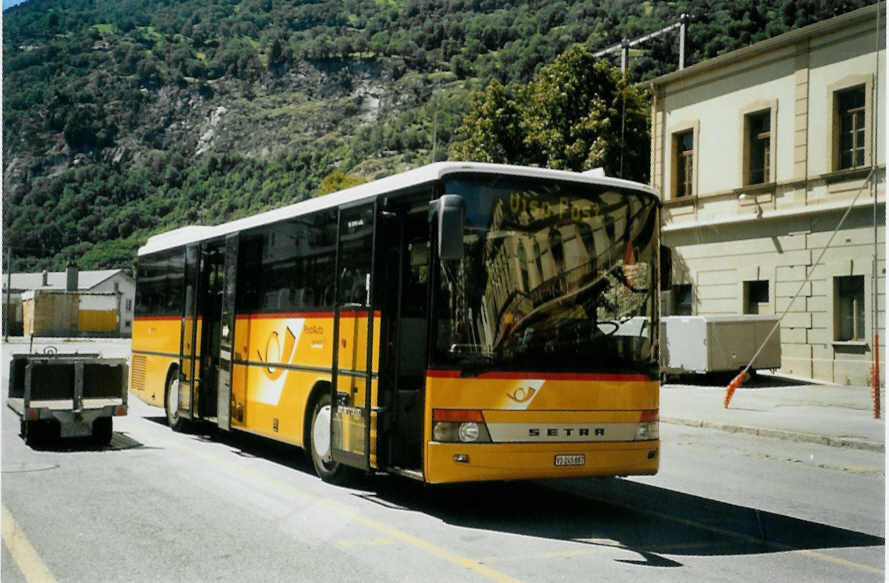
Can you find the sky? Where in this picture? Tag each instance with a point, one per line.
(11, 3)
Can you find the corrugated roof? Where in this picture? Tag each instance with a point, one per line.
(86, 280)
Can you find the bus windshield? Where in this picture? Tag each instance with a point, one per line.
(555, 277)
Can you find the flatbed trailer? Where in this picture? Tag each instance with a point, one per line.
(67, 395)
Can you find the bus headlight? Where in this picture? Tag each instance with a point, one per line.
(464, 426)
(647, 429)
(468, 432)
(442, 431)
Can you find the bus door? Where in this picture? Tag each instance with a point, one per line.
(217, 330)
(354, 375)
(189, 343)
(402, 274)
(227, 333)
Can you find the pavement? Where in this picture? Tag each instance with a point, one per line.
(780, 407)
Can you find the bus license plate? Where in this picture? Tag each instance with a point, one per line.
(574, 459)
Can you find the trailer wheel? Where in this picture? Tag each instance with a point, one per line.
(40, 433)
(102, 431)
(319, 445)
(31, 432)
(171, 401)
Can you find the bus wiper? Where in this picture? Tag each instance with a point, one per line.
(476, 367)
(475, 359)
(545, 310)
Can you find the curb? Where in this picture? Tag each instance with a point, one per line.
(828, 440)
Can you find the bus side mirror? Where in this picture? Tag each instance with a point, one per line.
(666, 268)
(449, 211)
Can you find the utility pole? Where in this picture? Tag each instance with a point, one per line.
(434, 132)
(624, 60)
(625, 44)
(624, 55)
(8, 291)
(683, 26)
(875, 316)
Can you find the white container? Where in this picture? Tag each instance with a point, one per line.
(702, 344)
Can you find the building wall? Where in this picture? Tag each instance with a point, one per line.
(69, 314)
(98, 314)
(14, 319)
(126, 286)
(28, 316)
(781, 252)
(728, 232)
(50, 314)
(797, 81)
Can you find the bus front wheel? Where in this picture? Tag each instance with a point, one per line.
(319, 445)
(171, 402)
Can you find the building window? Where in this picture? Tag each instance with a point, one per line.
(684, 155)
(682, 300)
(129, 305)
(756, 297)
(850, 110)
(759, 146)
(850, 307)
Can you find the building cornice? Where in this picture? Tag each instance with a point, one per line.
(839, 205)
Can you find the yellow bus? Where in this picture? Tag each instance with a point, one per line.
(458, 322)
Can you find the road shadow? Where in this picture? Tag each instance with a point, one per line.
(646, 520)
(119, 442)
(722, 379)
(247, 445)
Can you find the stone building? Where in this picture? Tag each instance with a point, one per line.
(759, 154)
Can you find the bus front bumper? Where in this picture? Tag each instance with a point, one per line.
(460, 462)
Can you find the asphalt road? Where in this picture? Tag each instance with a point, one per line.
(164, 506)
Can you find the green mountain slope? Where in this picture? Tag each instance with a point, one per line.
(126, 117)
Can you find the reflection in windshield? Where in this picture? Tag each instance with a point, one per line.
(554, 277)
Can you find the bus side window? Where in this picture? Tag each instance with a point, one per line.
(248, 274)
(354, 287)
(418, 274)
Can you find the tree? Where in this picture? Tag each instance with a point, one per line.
(492, 130)
(276, 53)
(578, 113)
(583, 114)
(338, 181)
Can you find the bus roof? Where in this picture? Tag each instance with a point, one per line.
(425, 174)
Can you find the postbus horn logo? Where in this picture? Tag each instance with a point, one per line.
(274, 353)
(522, 394)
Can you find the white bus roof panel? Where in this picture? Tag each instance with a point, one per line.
(425, 174)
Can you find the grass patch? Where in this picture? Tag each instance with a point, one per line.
(104, 28)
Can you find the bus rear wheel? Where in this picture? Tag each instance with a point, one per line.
(319, 445)
(171, 402)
